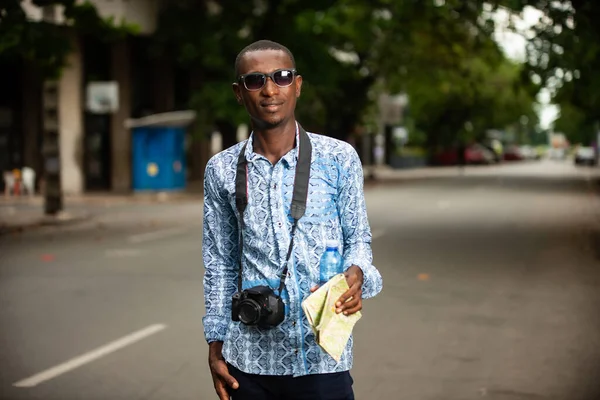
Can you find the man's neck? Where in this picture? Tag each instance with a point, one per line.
(276, 142)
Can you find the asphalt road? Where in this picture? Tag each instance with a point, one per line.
(491, 290)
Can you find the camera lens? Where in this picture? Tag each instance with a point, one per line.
(249, 312)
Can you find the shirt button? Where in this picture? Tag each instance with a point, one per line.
(279, 223)
(296, 351)
(293, 323)
(275, 186)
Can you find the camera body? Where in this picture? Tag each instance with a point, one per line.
(257, 306)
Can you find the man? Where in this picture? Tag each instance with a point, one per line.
(283, 361)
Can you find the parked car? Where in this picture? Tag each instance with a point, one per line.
(479, 154)
(513, 153)
(585, 156)
(528, 152)
(557, 153)
(495, 147)
(474, 154)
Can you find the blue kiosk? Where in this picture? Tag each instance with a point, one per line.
(158, 151)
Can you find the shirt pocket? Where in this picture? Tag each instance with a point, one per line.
(321, 203)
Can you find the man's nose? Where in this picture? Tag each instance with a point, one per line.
(270, 87)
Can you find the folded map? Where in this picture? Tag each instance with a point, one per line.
(331, 330)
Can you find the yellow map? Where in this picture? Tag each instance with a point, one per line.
(332, 330)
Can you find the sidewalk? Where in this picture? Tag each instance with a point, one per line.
(386, 174)
(18, 213)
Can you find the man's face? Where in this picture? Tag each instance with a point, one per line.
(271, 105)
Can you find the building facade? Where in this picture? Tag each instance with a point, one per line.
(95, 147)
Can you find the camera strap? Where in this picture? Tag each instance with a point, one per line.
(298, 199)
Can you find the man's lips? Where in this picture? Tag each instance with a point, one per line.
(271, 106)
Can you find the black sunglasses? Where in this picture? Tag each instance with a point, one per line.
(256, 80)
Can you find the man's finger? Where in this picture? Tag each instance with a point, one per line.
(343, 298)
(352, 292)
(353, 280)
(223, 376)
(314, 288)
(227, 379)
(352, 301)
(232, 382)
(348, 304)
(221, 390)
(354, 310)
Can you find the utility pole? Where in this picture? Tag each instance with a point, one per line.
(53, 201)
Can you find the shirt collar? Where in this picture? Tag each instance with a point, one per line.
(289, 159)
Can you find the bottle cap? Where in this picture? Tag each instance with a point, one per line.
(331, 244)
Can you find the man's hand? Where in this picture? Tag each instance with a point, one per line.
(219, 371)
(354, 277)
(351, 301)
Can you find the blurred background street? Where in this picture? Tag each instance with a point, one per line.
(491, 290)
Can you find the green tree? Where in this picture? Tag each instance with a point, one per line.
(189, 30)
(564, 54)
(350, 51)
(458, 80)
(45, 44)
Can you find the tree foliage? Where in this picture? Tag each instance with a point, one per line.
(441, 53)
(459, 82)
(45, 44)
(564, 54)
(350, 51)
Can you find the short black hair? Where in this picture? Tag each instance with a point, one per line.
(262, 45)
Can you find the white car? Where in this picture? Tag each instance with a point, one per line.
(528, 152)
(557, 154)
(585, 156)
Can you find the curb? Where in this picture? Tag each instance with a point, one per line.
(61, 219)
(136, 198)
(376, 182)
(64, 218)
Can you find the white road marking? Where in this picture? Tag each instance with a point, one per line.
(118, 253)
(147, 237)
(88, 357)
(377, 234)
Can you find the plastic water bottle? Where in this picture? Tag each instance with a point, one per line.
(331, 262)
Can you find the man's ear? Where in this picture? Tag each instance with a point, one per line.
(237, 91)
(298, 85)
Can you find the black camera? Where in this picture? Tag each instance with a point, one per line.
(258, 306)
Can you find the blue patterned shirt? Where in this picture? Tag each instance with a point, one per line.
(335, 210)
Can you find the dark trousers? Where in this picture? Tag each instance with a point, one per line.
(334, 386)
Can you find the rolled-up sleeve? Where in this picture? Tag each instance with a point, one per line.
(219, 252)
(355, 224)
